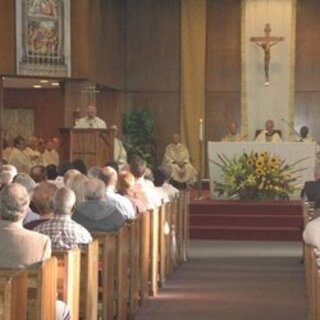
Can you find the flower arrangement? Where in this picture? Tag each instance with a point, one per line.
(256, 176)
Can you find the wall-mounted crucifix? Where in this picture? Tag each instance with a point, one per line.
(266, 43)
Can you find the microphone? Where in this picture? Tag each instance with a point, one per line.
(292, 129)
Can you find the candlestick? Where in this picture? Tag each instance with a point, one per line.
(201, 130)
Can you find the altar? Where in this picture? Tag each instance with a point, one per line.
(289, 151)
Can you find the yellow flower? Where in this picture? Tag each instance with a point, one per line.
(260, 172)
(259, 163)
(250, 162)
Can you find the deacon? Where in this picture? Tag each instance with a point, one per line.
(91, 121)
(233, 135)
(268, 134)
(177, 158)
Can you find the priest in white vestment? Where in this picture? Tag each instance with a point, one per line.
(268, 134)
(233, 135)
(19, 158)
(177, 158)
(50, 154)
(119, 153)
(91, 121)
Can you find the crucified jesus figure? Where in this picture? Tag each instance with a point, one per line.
(266, 43)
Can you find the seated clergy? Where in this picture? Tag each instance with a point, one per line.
(233, 135)
(177, 158)
(95, 213)
(64, 233)
(120, 153)
(269, 134)
(19, 158)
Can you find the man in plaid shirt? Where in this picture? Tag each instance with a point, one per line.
(64, 233)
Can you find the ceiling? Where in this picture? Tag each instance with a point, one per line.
(30, 83)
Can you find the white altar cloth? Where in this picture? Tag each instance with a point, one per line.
(290, 151)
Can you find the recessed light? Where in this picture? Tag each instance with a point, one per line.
(44, 81)
(37, 86)
(55, 84)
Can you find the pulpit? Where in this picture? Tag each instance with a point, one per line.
(93, 146)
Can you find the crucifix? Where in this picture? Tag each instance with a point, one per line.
(266, 43)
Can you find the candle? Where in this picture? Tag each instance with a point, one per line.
(201, 130)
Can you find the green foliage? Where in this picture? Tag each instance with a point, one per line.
(257, 176)
(139, 129)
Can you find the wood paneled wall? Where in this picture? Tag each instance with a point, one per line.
(7, 37)
(47, 105)
(307, 102)
(153, 63)
(223, 67)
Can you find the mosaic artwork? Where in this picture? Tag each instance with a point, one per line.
(43, 37)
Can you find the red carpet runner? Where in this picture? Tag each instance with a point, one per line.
(237, 220)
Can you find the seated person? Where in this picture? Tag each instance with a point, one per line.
(110, 178)
(120, 153)
(65, 234)
(311, 189)
(233, 135)
(311, 233)
(95, 213)
(177, 158)
(125, 187)
(41, 203)
(26, 247)
(144, 188)
(19, 158)
(269, 134)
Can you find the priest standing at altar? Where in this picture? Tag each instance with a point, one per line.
(91, 121)
(268, 134)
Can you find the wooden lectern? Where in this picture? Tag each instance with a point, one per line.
(93, 146)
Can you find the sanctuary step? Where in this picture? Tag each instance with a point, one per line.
(238, 220)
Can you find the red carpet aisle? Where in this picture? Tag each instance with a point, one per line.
(237, 220)
(234, 281)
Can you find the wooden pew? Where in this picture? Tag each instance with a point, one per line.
(89, 281)
(145, 256)
(134, 266)
(42, 290)
(107, 269)
(164, 231)
(13, 295)
(154, 273)
(122, 273)
(69, 279)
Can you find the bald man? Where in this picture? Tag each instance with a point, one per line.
(268, 134)
(233, 135)
(91, 121)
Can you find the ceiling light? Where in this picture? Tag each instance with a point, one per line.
(44, 81)
(55, 84)
(37, 86)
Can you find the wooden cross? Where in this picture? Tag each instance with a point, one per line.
(266, 43)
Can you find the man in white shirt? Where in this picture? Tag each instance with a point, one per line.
(91, 121)
(110, 177)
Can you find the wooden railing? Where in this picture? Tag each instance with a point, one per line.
(110, 278)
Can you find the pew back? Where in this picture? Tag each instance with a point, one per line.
(69, 279)
(13, 295)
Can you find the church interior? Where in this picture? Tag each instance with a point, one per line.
(195, 66)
